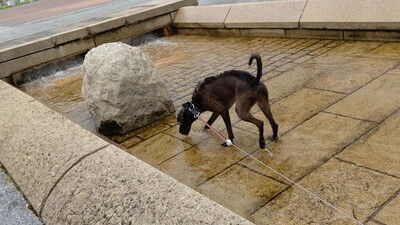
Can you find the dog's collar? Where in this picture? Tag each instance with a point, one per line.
(193, 109)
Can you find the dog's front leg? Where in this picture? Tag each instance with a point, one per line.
(227, 121)
(212, 119)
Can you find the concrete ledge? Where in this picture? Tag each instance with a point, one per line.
(133, 30)
(343, 19)
(352, 14)
(20, 48)
(71, 176)
(275, 14)
(34, 50)
(207, 16)
(127, 192)
(70, 33)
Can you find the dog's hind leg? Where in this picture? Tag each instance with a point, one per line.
(243, 111)
(263, 103)
(212, 119)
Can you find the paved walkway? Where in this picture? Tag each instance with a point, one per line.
(13, 208)
(338, 107)
(46, 15)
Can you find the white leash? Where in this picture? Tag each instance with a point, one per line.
(229, 143)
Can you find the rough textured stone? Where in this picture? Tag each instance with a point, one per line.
(379, 149)
(37, 145)
(355, 190)
(122, 88)
(112, 187)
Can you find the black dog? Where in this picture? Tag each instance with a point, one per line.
(218, 93)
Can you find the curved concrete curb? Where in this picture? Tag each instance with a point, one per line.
(71, 176)
(342, 19)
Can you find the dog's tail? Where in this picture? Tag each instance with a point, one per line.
(257, 57)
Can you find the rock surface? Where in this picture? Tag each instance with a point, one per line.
(122, 88)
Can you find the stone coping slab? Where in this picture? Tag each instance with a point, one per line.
(70, 175)
(354, 15)
(207, 16)
(275, 14)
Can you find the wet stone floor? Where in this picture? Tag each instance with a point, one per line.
(338, 107)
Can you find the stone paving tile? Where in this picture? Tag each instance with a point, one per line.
(131, 142)
(354, 48)
(294, 109)
(390, 213)
(387, 50)
(208, 158)
(307, 146)
(152, 130)
(395, 70)
(357, 191)
(243, 197)
(374, 101)
(196, 135)
(293, 79)
(354, 74)
(158, 148)
(379, 149)
(330, 61)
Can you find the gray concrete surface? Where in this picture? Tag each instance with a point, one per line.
(13, 208)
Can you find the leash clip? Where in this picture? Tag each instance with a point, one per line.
(194, 110)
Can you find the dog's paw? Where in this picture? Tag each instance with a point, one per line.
(272, 138)
(205, 128)
(262, 145)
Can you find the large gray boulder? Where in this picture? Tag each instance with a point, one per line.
(122, 89)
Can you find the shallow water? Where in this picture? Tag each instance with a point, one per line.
(308, 82)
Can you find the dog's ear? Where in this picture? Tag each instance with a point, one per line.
(186, 105)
